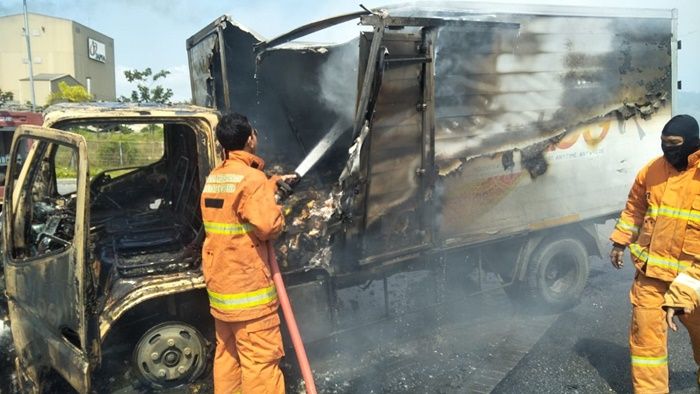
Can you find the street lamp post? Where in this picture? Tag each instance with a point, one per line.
(29, 54)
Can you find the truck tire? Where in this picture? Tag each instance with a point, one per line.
(557, 273)
(170, 354)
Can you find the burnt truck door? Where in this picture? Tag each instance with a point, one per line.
(395, 106)
(395, 125)
(44, 252)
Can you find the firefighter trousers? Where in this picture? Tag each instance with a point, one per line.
(648, 335)
(247, 356)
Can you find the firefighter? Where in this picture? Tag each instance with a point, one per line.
(240, 215)
(661, 226)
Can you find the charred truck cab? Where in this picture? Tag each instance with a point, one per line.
(478, 144)
(102, 231)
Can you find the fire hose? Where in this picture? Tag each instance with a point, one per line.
(291, 322)
(309, 161)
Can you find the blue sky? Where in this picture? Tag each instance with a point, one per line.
(152, 33)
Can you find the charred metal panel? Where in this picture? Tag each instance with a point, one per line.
(503, 89)
(203, 57)
(393, 206)
(236, 71)
(46, 286)
(307, 29)
(505, 100)
(291, 113)
(126, 293)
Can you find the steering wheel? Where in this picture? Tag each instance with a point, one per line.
(52, 238)
(42, 246)
(98, 181)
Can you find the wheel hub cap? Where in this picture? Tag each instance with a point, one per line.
(170, 353)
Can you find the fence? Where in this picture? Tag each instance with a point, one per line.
(110, 154)
(115, 154)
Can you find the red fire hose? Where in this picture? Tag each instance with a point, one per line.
(291, 322)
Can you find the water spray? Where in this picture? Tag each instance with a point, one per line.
(320, 149)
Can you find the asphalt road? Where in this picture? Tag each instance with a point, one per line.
(585, 350)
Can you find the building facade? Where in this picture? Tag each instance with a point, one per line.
(62, 49)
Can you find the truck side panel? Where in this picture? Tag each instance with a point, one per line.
(547, 124)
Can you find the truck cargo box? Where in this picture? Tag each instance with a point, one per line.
(468, 125)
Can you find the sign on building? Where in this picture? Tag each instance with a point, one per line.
(97, 51)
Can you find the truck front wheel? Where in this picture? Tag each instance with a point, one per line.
(170, 354)
(557, 273)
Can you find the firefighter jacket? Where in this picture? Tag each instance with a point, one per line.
(240, 215)
(661, 221)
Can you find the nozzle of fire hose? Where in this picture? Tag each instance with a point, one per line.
(285, 187)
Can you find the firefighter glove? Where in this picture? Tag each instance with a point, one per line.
(284, 190)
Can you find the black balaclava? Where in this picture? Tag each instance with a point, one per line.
(687, 127)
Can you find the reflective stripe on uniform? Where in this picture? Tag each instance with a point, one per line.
(227, 228)
(626, 226)
(224, 183)
(639, 361)
(225, 178)
(242, 300)
(674, 213)
(655, 260)
(689, 281)
(219, 188)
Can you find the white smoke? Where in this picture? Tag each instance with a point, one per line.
(338, 80)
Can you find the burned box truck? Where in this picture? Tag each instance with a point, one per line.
(469, 144)
(472, 138)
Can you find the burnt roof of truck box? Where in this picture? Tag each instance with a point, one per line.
(476, 12)
(456, 9)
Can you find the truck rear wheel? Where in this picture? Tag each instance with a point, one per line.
(170, 354)
(557, 273)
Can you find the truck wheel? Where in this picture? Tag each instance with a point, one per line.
(557, 273)
(170, 354)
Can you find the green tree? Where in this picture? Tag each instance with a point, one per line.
(146, 89)
(5, 96)
(69, 93)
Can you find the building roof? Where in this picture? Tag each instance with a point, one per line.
(49, 77)
(21, 15)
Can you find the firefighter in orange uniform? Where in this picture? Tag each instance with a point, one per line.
(661, 226)
(240, 216)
